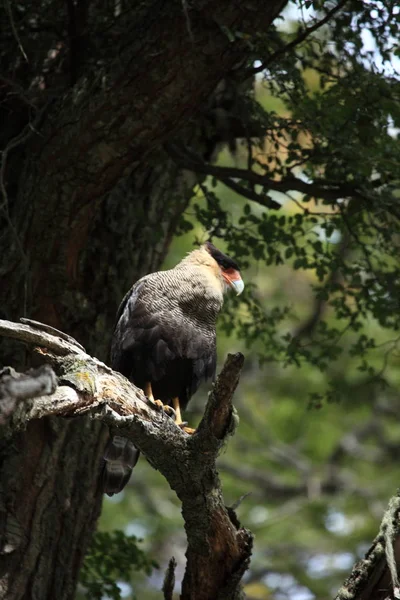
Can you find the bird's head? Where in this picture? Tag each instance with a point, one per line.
(229, 269)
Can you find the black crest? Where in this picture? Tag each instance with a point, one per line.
(222, 259)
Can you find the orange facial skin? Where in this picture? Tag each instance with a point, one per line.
(233, 279)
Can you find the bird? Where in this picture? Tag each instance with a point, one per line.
(164, 341)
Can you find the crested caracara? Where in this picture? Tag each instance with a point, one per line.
(165, 340)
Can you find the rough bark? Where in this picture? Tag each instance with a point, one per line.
(44, 530)
(219, 549)
(120, 239)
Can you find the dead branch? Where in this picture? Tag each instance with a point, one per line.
(169, 580)
(15, 387)
(44, 336)
(219, 411)
(375, 576)
(219, 550)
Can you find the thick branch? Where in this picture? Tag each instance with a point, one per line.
(218, 549)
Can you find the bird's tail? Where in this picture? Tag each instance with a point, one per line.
(120, 456)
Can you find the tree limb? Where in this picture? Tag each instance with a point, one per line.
(218, 549)
(318, 188)
(261, 199)
(15, 387)
(218, 414)
(46, 336)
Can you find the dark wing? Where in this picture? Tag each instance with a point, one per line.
(130, 316)
(203, 369)
(153, 343)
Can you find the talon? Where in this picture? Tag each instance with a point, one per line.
(158, 405)
(189, 430)
(169, 411)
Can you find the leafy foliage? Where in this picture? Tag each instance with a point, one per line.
(111, 559)
(330, 163)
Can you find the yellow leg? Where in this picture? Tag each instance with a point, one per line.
(148, 391)
(177, 409)
(178, 418)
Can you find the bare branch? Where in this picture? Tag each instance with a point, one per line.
(36, 382)
(218, 415)
(52, 330)
(30, 333)
(15, 387)
(331, 483)
(169, 580)
(14, 29)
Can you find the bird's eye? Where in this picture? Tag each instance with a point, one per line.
(228, 271)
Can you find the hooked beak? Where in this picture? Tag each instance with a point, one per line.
(238, 286)
(233, 279)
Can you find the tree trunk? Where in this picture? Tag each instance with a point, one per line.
(50, 501)
(50, 473)
(89, 203)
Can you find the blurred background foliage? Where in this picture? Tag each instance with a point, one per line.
(317, 236)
